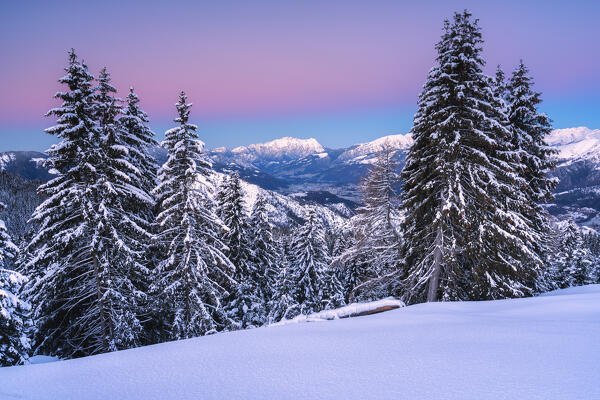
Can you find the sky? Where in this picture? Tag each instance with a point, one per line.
(343, 72)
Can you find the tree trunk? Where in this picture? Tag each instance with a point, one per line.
(434, 280)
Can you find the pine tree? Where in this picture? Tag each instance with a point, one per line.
(140, 142)
(245, 305)
(376, 246)
(551, 276)
(63, 286)
(117, 248)
(593, 244)
(500, 87)
(464, 233)
(282, 304)
(308, 264)
(573, 262)
(88, 249)
(194, 277)
(266, 251)
(139, 204)
(14, 311)
(333, 289)
(529, 128)
(231, 209)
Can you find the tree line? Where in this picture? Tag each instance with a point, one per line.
(125, 253)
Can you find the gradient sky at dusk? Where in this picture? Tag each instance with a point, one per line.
(340, 71)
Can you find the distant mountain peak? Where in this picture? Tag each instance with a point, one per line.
(286, 147)
(364, 152)
(576, 143)
(571, 135)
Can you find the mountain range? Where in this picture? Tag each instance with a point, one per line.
(308, 172)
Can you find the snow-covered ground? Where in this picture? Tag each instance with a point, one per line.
(538, 348)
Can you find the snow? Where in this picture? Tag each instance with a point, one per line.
(283, 147)
(5, 159)
(537, 348)
(576, 143)
(399, 142)
(282, 209)
(343, 312)
(42, 359)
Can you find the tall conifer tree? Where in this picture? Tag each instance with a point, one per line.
(307, 265)
(376, 243)
(139, 204)
(245, 304)
(63, 285)
(266, 251)
(193, 279)
(15, 323)
(118, 237)
(465, 236)
(529, 129)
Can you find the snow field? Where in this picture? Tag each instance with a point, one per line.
(544, 347)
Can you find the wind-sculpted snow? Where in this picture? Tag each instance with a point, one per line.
(536, 348)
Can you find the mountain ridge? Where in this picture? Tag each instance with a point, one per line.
(313, 173)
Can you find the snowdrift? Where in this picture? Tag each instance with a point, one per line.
(545, 347)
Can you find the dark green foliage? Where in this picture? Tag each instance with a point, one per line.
(194, 275)
(465, 235)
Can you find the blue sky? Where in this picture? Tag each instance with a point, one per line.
(340, 71)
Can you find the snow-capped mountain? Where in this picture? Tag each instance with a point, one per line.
(314, 174)
(286, 148)
(576, 144)
(578, 170)
(27, 164)
(303, 165)
(365, 153)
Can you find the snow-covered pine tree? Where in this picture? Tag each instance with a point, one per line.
(62, 287)
(87, 249)
(231, 208)
(500, 87)
(464, 234)
(140, 142)
(334, 291)
(529, 129)
(140, 205)
(551, 276)
(376, 243)
(308, 264)
(344, 239)
(593, 244)
(283, 305)
(15, 323)
(118, 232)
(266, 252)
(193, 279)
(573, 262)
(220, 196)
(245, 304)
